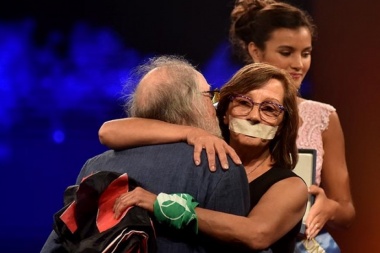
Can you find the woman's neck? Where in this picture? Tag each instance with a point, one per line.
(250, 155)
(300, 100)
(253, 160)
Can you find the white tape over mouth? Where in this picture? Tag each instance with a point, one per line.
(260, 130)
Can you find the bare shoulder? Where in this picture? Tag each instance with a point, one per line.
(295, 182)
(334, 129)
(292, 187)
(334, 119)
(290, 194)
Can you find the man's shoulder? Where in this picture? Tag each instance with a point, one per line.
(148, 149)
(164, 156)
(180, 146)
(145, 157)
(178, 151)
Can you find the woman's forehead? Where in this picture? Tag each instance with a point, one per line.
(273, 89)
(299, 37)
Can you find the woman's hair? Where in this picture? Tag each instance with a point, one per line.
(255, 20)
(252, 77)
(174, 97)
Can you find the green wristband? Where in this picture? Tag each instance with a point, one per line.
(176, 210)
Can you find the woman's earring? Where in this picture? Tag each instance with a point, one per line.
(225, 120)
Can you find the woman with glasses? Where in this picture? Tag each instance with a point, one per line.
(258, 116)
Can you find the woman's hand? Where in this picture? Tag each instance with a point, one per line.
(320, 212)
(138, 197)
(201, 139)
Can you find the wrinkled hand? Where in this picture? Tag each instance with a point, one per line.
(213, 145)
(320, 212)
(137, 197)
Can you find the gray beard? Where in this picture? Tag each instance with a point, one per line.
(211, 125)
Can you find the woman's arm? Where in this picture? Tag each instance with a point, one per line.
(278, 211)
(130, 132)
(333, 204)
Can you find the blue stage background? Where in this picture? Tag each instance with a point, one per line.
(62, 67)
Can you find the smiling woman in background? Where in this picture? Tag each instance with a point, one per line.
(281, 35)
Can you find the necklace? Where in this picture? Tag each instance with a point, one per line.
(261, 163)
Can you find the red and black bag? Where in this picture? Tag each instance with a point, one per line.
(86, 223)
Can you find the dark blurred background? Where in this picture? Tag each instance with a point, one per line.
(62, 67)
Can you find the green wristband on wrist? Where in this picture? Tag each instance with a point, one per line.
(176, 210)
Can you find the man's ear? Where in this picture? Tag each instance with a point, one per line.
(254, 52)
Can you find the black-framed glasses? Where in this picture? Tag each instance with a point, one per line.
(268, 110)
(214, 95)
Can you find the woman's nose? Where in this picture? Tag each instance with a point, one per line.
(254, 113)
(297, 62)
